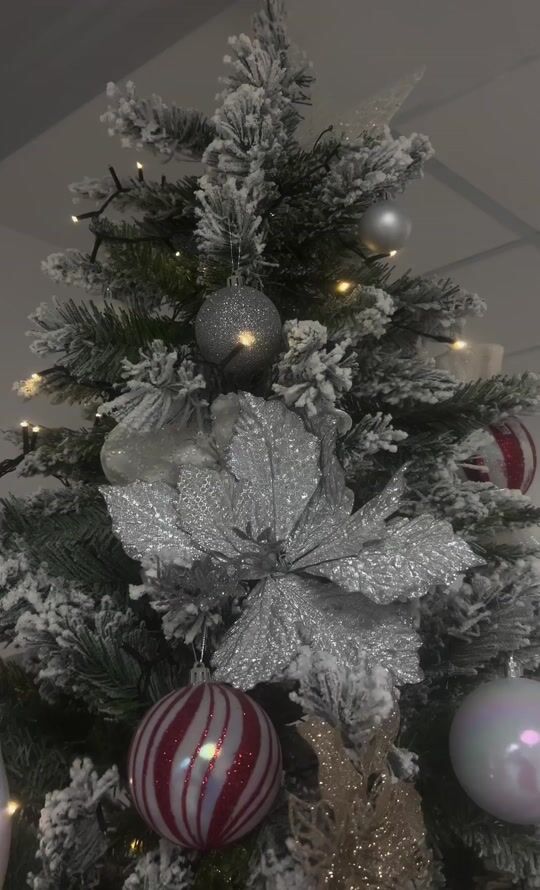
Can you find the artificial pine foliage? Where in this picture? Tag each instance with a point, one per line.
(101, 632)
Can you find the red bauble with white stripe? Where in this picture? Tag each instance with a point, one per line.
(509, 460)
(204, 766)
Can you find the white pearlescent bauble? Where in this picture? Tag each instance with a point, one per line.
(239, 329)
(495, 749)
(156, 456)
(384, 227)
(5, 822)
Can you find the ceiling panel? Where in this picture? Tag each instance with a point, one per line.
(490, 137)
(446, 227)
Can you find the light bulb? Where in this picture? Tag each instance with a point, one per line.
(246, 338)
(139, 165)
(74, 218)
(458, 345)
(35, 429)
(12, 806)
(177, 253)
(344, 287)
(24, 424)
(392, 253)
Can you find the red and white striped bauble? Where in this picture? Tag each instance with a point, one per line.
(204, 766)
(509, 459)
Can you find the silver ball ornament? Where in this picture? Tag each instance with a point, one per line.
(495, 749)
(238, 328)
(155, 456)
(384, 228)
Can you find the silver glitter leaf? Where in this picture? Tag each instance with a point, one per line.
(144, 518)
(283, 613)
(378, 110)
(276, 459)
(280, 514)
(205, 509)
(410, 557)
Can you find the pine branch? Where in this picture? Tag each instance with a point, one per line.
(474, 405)
(95, 340)
(78, 545)
(151, 124)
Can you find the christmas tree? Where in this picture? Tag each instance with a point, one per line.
(277, 564)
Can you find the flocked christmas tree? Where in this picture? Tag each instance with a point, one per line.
(276, 482)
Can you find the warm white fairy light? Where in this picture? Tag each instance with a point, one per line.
(74, 218)
(344, 287)
(177, 253)
(24, 424)
(458, 345)
(12, 806)
(393, 253)
(36, 429)
(139, 165)
(246, 338)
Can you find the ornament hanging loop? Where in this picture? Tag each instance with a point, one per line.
(199, 673)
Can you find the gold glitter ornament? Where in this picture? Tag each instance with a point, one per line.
(366, 832)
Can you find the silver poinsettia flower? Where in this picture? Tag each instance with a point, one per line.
(280, 516)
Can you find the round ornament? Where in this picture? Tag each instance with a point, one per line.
(495, 749)
(204, 766)
(239, 329)
(384, 228)
(129, 455)
(508, 460)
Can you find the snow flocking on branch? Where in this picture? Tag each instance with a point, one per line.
(313, 374)
(160, 387)
(71, 841)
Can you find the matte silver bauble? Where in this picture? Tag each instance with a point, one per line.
(155, 456)
(384, 228)
(495, 749)
(239, 329)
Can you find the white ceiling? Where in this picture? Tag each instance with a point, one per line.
(476, 214)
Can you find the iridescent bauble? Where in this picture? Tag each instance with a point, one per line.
(239, 329)
(509, 458)
(156, 456)
(204, 766)
(5, 822)
(384, 228)
(495, 749)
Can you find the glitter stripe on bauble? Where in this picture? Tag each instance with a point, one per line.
(204, 766)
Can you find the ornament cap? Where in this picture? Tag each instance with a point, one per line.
(198, 674)
(236, 279)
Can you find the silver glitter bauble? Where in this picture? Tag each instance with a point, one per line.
(495, 749)
(238, 328)
(128, 455)
(384, 228)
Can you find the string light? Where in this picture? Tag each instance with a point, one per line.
(458, 345)
(392, 253)
(177, 253)
(24, 424)
(140, 174)
(344, 287)
(98, 415)
(74, 218)
(36, 429)
(246, 338)
(139, 165)
(12, 806)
